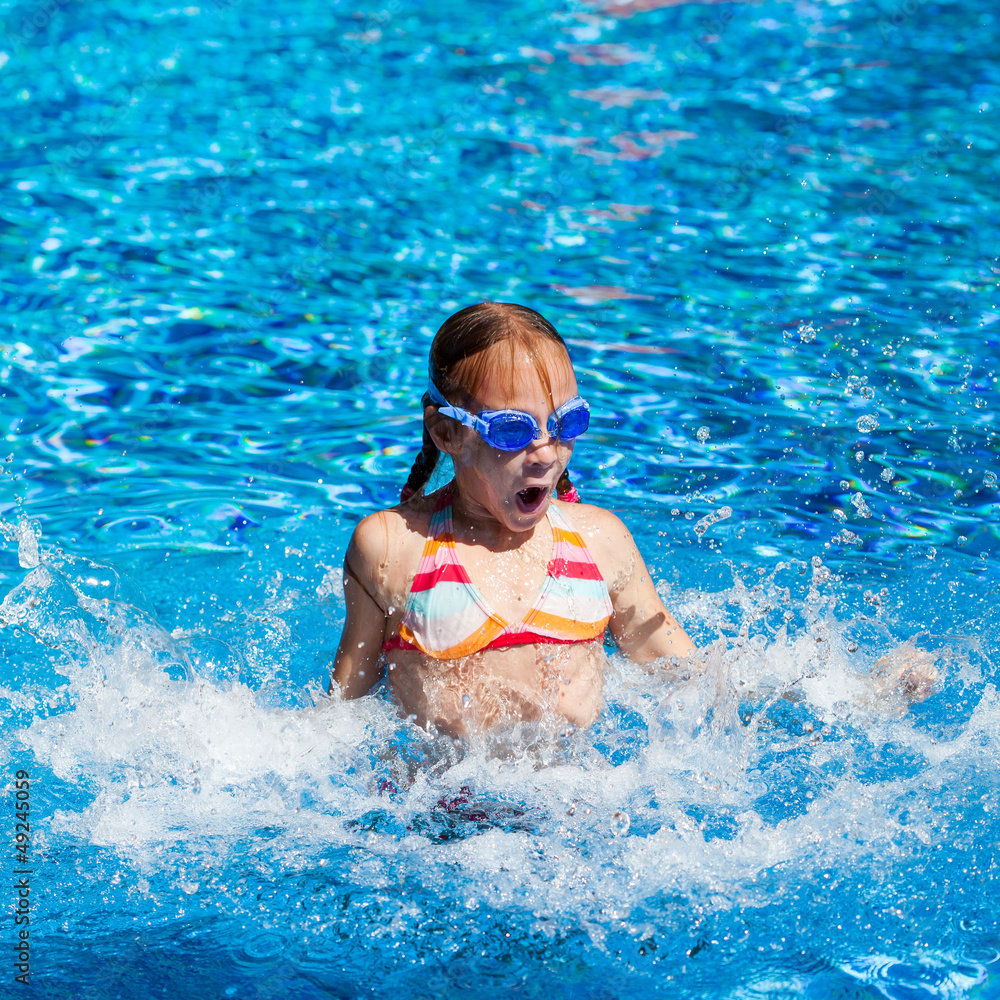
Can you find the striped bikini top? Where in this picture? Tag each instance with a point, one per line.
(446, 617)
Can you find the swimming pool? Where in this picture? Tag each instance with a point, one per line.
(767, 231)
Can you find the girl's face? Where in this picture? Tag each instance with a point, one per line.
(512, 487)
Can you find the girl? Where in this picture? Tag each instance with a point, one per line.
(487, 600)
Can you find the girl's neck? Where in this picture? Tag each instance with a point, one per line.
(473, 524)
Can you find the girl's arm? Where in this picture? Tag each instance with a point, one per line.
(642, 627)
(356, 667)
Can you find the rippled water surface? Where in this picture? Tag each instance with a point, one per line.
(768, 232)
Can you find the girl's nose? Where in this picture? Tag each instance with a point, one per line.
(543, 447)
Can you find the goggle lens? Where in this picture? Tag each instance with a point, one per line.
(511, 431)
(574, 422)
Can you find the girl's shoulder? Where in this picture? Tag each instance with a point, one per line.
(610, 543)
(386, 545)
(594, 522)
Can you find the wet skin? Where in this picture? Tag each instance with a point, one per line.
(503, 539)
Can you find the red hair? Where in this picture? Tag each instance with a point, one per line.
(469, 344)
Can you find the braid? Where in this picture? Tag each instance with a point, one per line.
(423, 465)
(565, 490)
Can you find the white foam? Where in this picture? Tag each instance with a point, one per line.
(173, 765)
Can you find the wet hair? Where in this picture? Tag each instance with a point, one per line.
(489, 336)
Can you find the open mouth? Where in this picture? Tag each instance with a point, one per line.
(531, 498)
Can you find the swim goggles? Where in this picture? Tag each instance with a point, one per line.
(512, 430)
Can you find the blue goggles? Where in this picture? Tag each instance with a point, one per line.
(512, 430)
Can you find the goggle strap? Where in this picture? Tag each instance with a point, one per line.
(465, 418)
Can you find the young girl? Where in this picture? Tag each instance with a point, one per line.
(487, 600)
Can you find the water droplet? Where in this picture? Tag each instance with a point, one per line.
(703, 434)
(867, 392)
(620, 822)
(860, 506)
(990, 480)
(887, 475)
(845, 537)
(867, 423)
(709, 519)
(807, 727)
(674, 511)
(962, 539)
(27, 543)
(852, 647)
(807, 334)
(838, 514)
(466, 701)
(859, 456)
(390, 610)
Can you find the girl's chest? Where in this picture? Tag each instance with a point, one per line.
(508, 583)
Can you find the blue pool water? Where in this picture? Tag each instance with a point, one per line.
(768, 231)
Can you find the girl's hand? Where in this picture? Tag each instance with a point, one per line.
(907, 674)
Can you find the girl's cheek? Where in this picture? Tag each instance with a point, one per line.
(471, 453)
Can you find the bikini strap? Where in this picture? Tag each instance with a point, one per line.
(558, 518)
(441, 523)
(348, 572)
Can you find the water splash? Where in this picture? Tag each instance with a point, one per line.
(767, 767)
